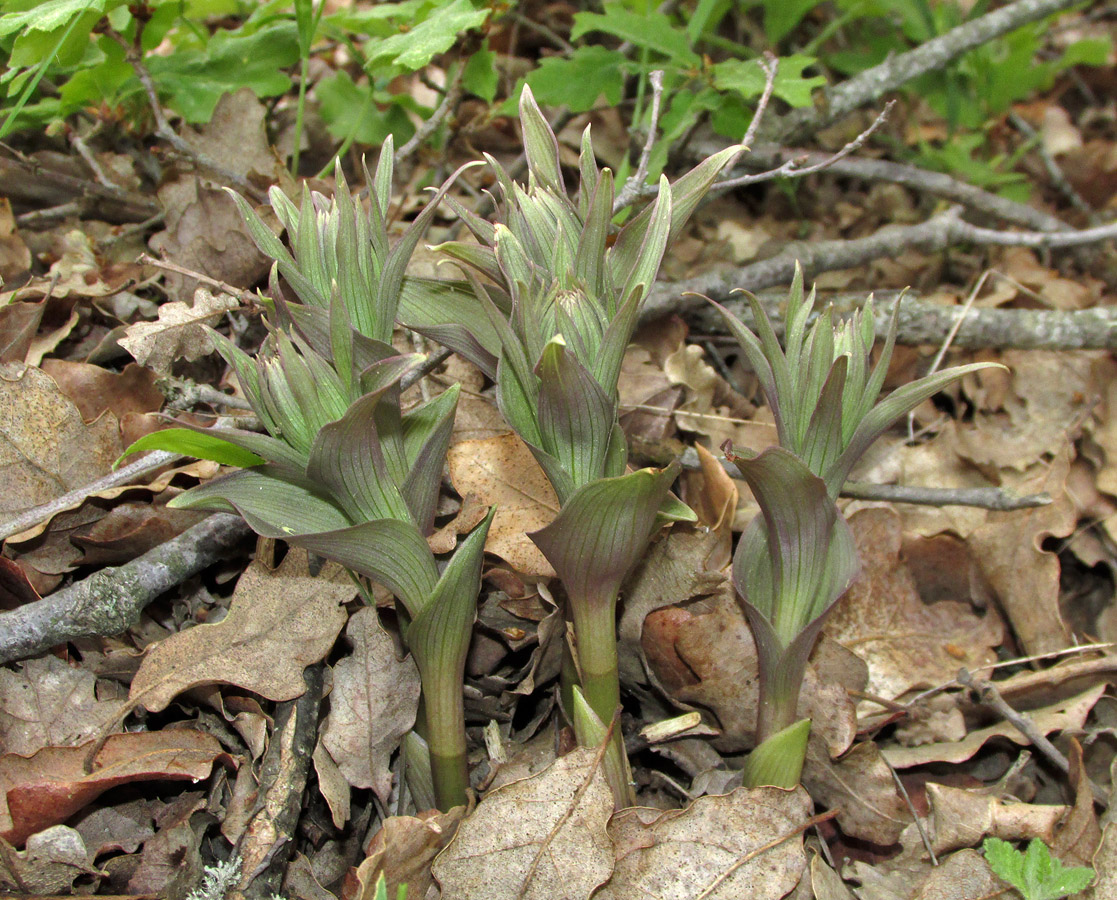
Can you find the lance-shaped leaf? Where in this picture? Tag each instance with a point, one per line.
(778, 761)
(575, 415)
(197, 444)
(889, 411)
(640, 275)
(439, 641)
(426, 438)
(602, 530)
(592, 732)
(540, 144)
(348, 461)
(798, 557)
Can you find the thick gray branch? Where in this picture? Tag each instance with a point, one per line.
(874, 83)
(110, 601)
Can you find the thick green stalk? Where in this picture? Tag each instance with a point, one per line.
(445, 736)
(595, 638)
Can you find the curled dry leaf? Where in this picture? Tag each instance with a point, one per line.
(747, 843)
(861, 788)
(402, 851)
(179, 332)
(45, 447)
(961, 818)
(49, 864)
(279, 623)
(905, 642)
(46, 789)
(1067, 714)
(500, 471)
(542, 838)
(48, 702)
(373, 704)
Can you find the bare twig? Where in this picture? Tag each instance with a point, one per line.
(430, 126)
(122, 476)
(796, 168)
(634, 185)
(1058, 179)
(935, 183)
(920, 323)
(163, 128)
(245, 297)
(110, 600)
(923, 836)
(872, 84)
(987, 694)
(770, 66)
(27, 180)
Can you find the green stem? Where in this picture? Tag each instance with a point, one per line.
(445, 736)
(300, 108)
(595, 637)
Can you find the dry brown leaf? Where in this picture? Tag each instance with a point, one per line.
(45, 447)
(179, 332)
(542, 838)
(477, 416)
(861, 787)
(500, 471)
(50, 863)
(826, 883)
(15, 258)
(1024, 575)
(905, 642)
(1067, 714)
(95, 389)
(402, 851)
(963, 818)
(373, 704)
(964, 875)
(50, 703)
(279, 623)
(747, 843)
(46, 789)
(332, 785)
(647, 397)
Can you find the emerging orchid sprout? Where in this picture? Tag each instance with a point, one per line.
(562, 297)
(797, 558)
(343, 471)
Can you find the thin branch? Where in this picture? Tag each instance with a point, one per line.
(634, 185)
(796, 168)
(1058, 179)
(920, 323)
(245, 297)
(770, 66)
(122, 476)
(163, 128)
(430, 126)
(987, 694)
(872, 84)
(111, 600)
(768, 156)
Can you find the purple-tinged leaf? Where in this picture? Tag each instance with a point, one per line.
(592, 241)
(347, 459)
(426, 438)
(635, 264)
(602, 530)
(540, 144)
(575, 415)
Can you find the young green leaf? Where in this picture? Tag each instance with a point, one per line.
(1035, 873)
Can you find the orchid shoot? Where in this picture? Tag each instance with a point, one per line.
(797, 558)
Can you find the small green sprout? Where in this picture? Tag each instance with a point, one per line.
(1035, 873)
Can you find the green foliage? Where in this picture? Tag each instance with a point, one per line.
(1035, 872)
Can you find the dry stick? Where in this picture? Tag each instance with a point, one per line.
(163, 128)
(767, 156)
(634, 185)
(874, 83)
(770, 66)
(424, 131)
(245, 297)
(26, 180)
(771, 845)
(1058, 179)
(998, 499)
(988, 695)
(111, 600)
(920, 323)
(923, 836)
(796, 168)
